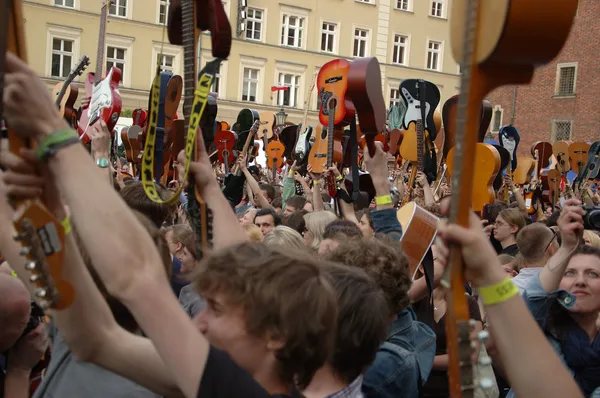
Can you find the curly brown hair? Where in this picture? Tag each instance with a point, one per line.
(385, 262)
(283, 294)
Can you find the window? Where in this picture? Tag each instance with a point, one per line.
(434, 55)
(360, 42)
(497, 123)
(437, 8)
(62, 57)
(395, 98)
(404, 5)
(400, 50)
(561, 129)
(365, 1)
(116, 57)
(291, 31)
(118, 8)
(328, 37)
(566, 77)
(65, 3)
(163, 11)
(254, 23)
(216, 84)
(166, 62)
(288, 97)
(250, 87)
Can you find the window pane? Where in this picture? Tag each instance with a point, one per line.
(56, 43)
(120, 53)
(68, 46)
(55, 65)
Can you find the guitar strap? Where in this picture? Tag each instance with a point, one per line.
(429, 160)
(200, 99)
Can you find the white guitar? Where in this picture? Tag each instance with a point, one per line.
(413, 109)
(304, 132)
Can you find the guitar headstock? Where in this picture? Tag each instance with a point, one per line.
(78, 69)
(484, 364)
(42, 240)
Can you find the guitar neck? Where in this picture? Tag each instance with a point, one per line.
(63, 89)
(189, 51)
(420, 158)
(101, 38)
(330, 120)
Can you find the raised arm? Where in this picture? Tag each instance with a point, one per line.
(570, 224)
(99, 213)
(253, 185)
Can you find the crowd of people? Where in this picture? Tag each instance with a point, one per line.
(300, 295)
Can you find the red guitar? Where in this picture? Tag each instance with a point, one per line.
(225, 142)
(105, 100)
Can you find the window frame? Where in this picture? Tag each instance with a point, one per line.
(254, 63)
(559, 68)
(497, 108)
(127, 9)
(170, 50)
(336, 41)
(127, 44)
(410, 5)
(443, 11)
(295, 12)
(440, 55)
(263, 23)
(62, 53)
(370, 2)
(75, 5)
(367, 40)
(406, 49)
(291, 69)
(207, 57)
(63, 33)
(553, 129)
(158, 2)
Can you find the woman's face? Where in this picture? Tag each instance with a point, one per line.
(365, 227)
(582, 279)
(247, 218)
(188, 262)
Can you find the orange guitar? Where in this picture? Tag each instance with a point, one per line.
(274, 154)
(332, 80)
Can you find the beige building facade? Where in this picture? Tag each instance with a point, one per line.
(279, 43)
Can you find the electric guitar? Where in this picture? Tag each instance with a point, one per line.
(509, 139)
(304, 131)
(105, 99)
(65, 93)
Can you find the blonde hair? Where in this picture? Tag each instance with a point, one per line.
(253, 232)
(592, 237)
(513, 218)
(316, 223)
(284, 237)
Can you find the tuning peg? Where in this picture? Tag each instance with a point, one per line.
(25, 251)
(30, 265)
(483, 336)
(41, 292)
(34, 278)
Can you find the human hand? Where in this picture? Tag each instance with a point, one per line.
(200, 169)
(333, 170)
(440, 260)
(28, 351)
(377, 168)
(422, 179)
(295, 166)
(313, 176)
(242, 162)
(487, 227)
(100, 137)
(28, 108)
(570, 224)
(508, 182)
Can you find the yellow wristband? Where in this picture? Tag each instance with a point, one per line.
(66, 223)
(316, 182)
(383, 200)
(291, 173)
(498, 293)
(13, 273)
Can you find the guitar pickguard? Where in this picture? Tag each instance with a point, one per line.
(413, 110)
(324, 98)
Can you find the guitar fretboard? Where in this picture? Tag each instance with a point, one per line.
(99, 73)
(330, 120)
(189, 75)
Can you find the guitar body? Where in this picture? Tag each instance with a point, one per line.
(245, 120)
(487, 166)
(302, 147)
(578, 156)
(67, 103)
(419, 228)
(504, 162)
(267, 121)
(486, 118)
(544, 150)
(396, 137)
(225, 142)
(522, 174)
(333, 80)
(274, 153)
(593, 165)
(449, 111)
(409, 89)
(554, 180)
(409, 146)
(560, 149)
(509, 138)
(105, 103)
(318, 153)
(288, 137)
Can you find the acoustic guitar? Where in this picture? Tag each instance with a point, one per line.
(578, 156)
(544, 151)
(332, 81)
(225, 142)
(274, 154)
(509, 138)
(265, 132)
(419, 229)
(244, 123)
(560, 150)
(496, 43)
(532, 192)
(449, 111)
(65, 93)
(504, 163)
(40, 235)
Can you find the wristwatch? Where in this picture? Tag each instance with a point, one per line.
(103, 163)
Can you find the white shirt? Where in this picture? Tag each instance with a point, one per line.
(522, 279)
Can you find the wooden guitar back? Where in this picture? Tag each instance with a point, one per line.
(419, 228)
(522, 174)
(487, 166)
(578, 155)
